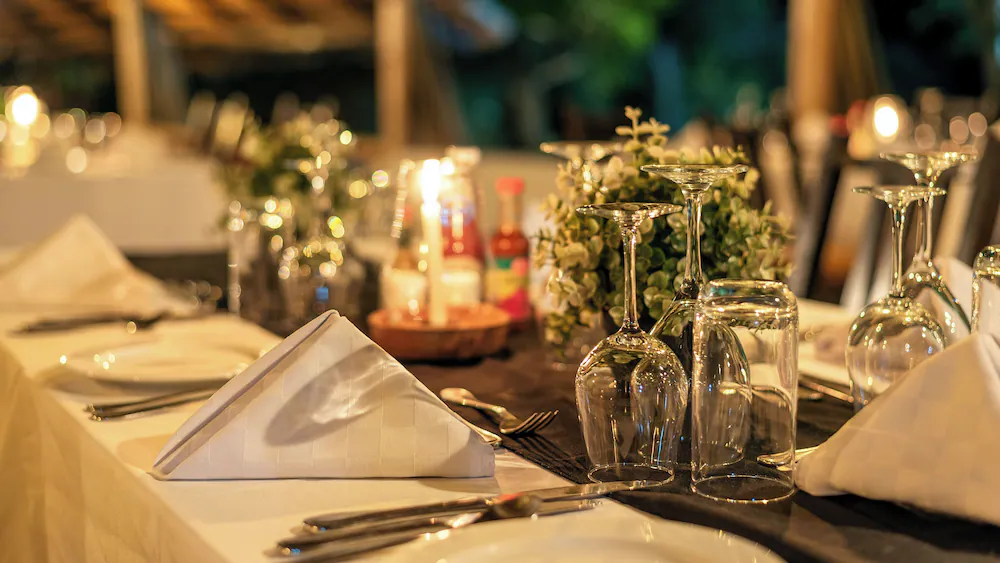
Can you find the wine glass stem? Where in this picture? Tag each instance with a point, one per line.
(630, 231)
(928, 178)
(898, 222)
(925, 235)
(693, 276)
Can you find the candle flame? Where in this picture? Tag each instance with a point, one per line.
(430, 180)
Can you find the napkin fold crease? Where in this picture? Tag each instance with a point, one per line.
(326, 403)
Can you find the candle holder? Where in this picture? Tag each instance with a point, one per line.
(425, 314)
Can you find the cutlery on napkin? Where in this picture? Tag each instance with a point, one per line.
(926, 442)
(326, 402)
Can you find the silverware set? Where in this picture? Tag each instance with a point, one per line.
(340, 536)
(132, 322)
(116, 410)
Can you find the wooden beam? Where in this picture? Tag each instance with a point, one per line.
(131, 61)
(393, 70)
(252, 11)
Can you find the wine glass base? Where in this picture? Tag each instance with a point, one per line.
(743, 489)
(630, 472)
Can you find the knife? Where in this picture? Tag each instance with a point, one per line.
(379, 536)
(57, 325)
(829, 389)
(336, 521)
(121, 410)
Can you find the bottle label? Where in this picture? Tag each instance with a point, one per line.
(508, 286)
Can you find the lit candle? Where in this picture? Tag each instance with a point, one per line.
(430, 214)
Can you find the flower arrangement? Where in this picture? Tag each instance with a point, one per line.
(282, 161)
(737, 241)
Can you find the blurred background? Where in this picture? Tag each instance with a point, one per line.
(122, 108)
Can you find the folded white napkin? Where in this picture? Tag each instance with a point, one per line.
(925, 442)
(327, 402)
(79, 265)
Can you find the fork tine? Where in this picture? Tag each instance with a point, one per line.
(546, 420)
(535, 422)
(526, 426)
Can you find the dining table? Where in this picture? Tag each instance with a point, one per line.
(78, 490)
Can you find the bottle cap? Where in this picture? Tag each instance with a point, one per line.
(509, 185)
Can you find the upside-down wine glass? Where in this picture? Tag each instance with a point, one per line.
(894, 334)
(927, 168)
(631, 418)
(582, 157)
(675, 326)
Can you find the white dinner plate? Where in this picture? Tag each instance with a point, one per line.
(612, 536)
(163, 361)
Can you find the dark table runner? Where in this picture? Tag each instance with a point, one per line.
(803, 528)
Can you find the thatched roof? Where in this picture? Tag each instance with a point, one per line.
(84, 26)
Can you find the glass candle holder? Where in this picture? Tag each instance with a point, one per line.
(743, 396)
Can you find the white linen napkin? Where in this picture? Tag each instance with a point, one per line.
(79, 265)
(326, 402)
(926, 442)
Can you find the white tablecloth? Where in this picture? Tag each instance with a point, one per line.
(144, 196)
(75, 490)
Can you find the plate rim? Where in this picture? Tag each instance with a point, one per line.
(83, 356)
(608, 525)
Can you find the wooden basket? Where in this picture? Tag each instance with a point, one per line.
(473, 331)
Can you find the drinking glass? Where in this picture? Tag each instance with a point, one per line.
(674, 327)
(630, 417)
(927, 168)
(986, 291)
(743, 443)
(894, 334)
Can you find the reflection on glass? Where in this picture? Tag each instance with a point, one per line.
(895, 333)
(631, 417)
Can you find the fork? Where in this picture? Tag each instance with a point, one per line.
(509, 424)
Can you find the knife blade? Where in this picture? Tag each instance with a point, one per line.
(831, 390)
(573, 492)
(57, 325)
(108, 412)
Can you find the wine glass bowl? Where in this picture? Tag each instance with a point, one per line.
(927, 166)
(631, 417)
(889, 338)
(580, 152)
(697, 177)
(894, 334)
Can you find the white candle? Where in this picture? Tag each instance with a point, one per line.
(430, 215)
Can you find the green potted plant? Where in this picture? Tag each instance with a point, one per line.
(737, 241)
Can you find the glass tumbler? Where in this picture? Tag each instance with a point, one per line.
(986, 291)
(743, 411)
